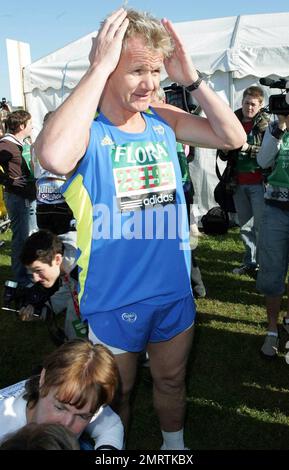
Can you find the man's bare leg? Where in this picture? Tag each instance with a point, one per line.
(273, 305)
(127, 365)
(168, 360)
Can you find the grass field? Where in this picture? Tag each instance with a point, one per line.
(236, 399)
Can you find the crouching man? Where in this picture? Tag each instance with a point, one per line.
(51, 264)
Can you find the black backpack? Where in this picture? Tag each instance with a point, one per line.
(215, 221)
(223, 192)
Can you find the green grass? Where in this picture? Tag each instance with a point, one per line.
(236, 399)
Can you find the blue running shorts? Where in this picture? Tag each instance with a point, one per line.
(130, 328)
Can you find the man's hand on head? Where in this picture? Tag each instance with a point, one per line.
(107, 45)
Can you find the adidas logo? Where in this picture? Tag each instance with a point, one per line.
(107, 141)
(151, 201)
(159, 129)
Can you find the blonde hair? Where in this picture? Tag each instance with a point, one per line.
(78, 370)
(149, 28)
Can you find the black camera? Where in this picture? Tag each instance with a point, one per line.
(178, 96)
(277, 103)
(15, 297)
(9, 294)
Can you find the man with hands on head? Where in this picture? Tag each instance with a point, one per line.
(274, 231)
(135, 290)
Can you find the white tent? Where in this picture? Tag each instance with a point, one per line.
(232, 52)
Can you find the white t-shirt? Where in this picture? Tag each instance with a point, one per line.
(105, 427)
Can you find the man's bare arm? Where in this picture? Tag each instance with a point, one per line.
(221, 128)
(64, 139)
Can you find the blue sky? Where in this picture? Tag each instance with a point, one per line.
(52, 24)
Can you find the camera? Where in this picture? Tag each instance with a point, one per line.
(277, 103)
(9, 294)
(15, 297)
(178, 96)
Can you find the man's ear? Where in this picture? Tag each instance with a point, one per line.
(42, 377)
(58, 259)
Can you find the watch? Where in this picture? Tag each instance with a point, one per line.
(195, 85)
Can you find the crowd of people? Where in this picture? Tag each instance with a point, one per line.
(112, 194)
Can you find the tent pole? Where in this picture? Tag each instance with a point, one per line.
(231, 73)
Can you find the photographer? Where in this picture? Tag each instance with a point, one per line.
(45, 256)
(248, 177)
(274, 230)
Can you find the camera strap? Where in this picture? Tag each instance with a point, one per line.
(73, 293)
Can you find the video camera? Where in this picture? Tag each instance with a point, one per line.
(178, 96)
(277, 103)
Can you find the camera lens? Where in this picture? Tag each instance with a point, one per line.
(12, 284)
(9, 295)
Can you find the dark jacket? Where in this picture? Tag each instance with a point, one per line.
(15, 173)
(260, 123)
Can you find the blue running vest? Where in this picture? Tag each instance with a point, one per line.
(132, 230)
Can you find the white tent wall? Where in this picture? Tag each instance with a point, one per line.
(39, 102)
(232, 52)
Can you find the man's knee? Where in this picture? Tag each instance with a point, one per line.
(125, 390)
(170, 382)
(127, 364)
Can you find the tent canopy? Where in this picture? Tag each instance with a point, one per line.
(232, 52)
(244, 45)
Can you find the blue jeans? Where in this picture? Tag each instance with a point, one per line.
(249, 203)
(274, 251)
(20, 212)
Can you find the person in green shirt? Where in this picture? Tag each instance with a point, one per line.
(274, 230)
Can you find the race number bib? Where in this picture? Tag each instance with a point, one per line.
(143, 174)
